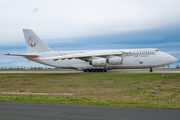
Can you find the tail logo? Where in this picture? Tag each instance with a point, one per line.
(32, 41)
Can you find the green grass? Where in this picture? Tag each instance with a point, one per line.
(103, 89)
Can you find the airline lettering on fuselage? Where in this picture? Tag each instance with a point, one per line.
(139, 54)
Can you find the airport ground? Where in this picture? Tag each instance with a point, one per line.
(155, 90)
(38, 111)
(157, 70)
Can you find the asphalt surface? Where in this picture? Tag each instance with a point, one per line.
(113, 71)
(38, 111)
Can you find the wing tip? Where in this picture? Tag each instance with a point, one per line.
(7, 54)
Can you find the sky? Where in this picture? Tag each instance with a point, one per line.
(67, 25)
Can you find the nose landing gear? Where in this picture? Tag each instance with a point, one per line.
(151, 70)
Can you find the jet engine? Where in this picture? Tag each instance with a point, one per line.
(115, 61)
(98, 62)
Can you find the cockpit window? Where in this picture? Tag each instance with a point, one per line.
(157, 50)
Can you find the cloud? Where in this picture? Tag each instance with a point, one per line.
(69, 19)
(102, 24)
(35, 10)
(128, 29)
(174, 52)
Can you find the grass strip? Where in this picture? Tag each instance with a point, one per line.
(101, 89)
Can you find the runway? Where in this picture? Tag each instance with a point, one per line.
(38, 111)
(111, 71)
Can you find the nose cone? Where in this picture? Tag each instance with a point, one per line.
(170, 59)
(164, 59)
(173, 59)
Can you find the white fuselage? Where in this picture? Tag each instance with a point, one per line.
(132, 59)
(93, 60)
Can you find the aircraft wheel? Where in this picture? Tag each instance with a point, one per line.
(105, 70)
(100, 70)
(93, 70)
(96, 70)
(84, 70)
(151, 70)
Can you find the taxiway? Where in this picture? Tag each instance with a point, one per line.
(39, 111)
(111, 71)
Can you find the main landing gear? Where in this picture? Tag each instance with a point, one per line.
(151, 70)
(94, 70)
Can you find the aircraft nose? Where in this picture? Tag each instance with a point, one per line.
(165, 59)
(172, 59)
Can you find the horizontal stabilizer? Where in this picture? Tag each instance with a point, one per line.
(33, 59)
(23, 55)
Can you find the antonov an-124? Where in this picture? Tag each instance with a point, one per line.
(93, 60)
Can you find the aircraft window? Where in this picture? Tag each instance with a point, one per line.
(157, 50)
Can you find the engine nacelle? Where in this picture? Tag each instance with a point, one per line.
(98, 62)
(115, 61)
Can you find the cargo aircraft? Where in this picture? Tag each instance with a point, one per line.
(93, 60)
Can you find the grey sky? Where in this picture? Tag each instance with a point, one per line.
(90, 24)
(68, 18)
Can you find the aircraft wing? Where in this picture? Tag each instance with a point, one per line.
(23, 55)
(82, 55)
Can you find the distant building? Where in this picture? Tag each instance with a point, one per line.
(177, 66)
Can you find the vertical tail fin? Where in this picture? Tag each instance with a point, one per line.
(34, 43)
